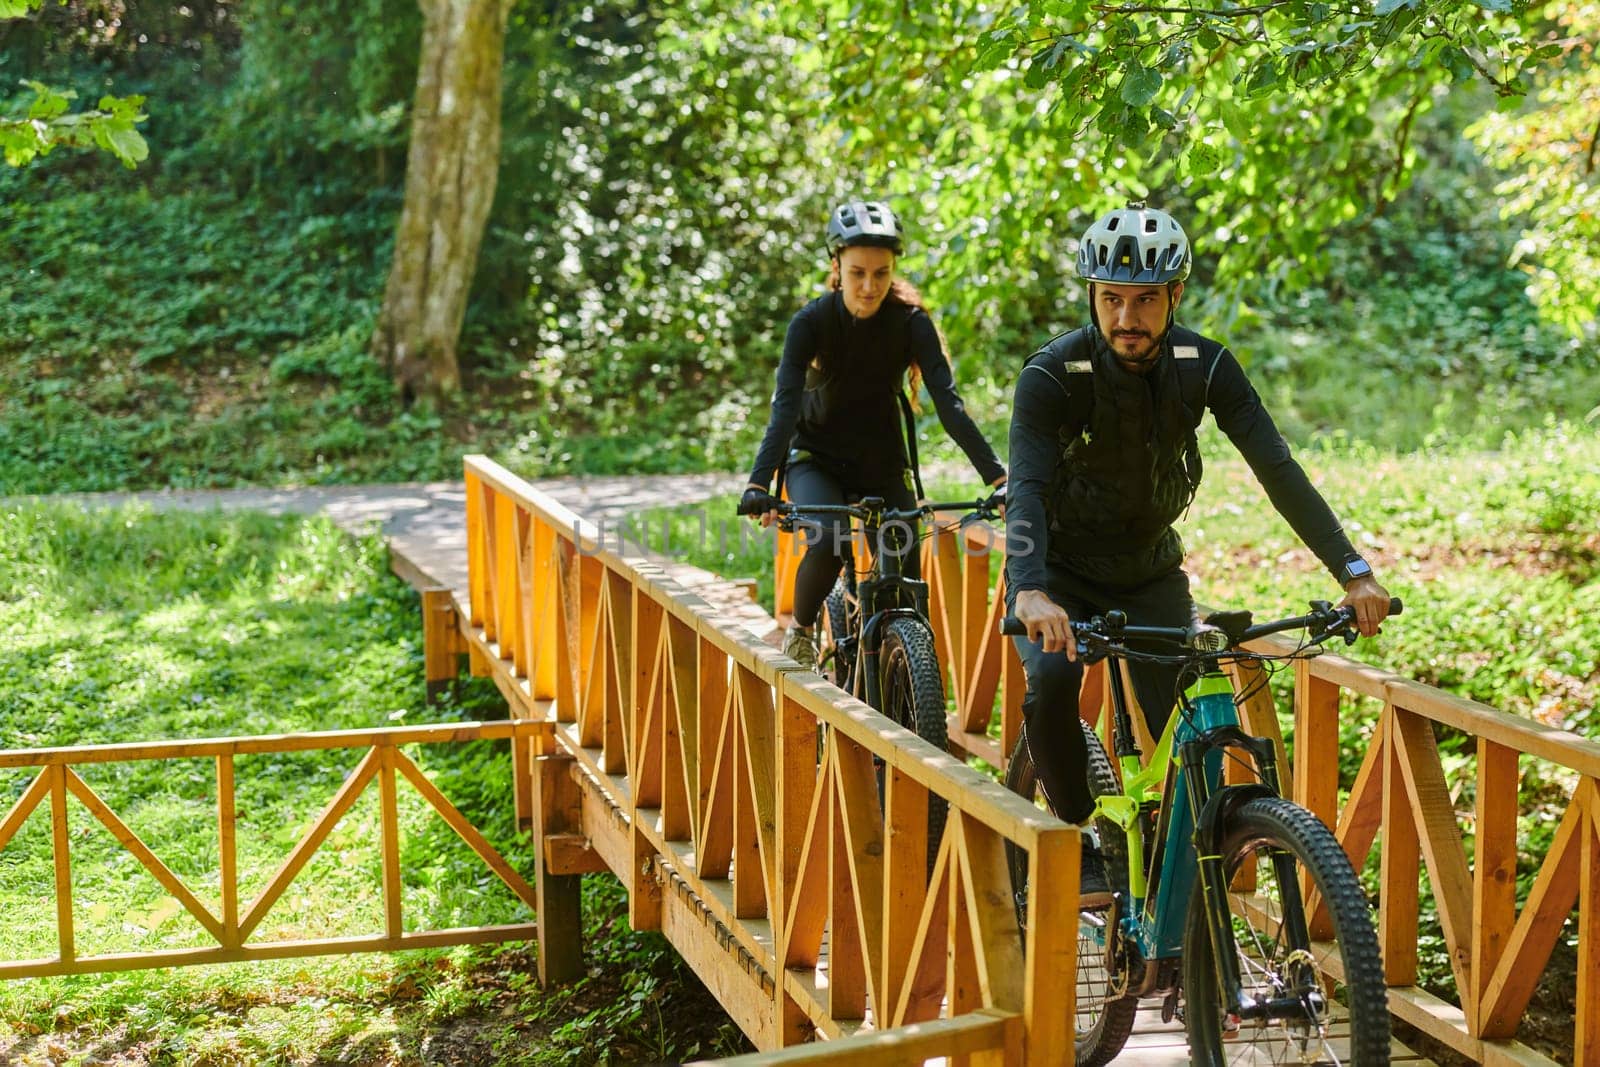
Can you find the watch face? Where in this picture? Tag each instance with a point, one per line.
(1357, 568)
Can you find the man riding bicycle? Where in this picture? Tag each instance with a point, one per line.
(1104, 460)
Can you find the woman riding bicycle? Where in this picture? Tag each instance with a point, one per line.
(835, 427)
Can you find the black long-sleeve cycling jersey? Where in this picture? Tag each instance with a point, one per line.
(1044, 407)
(849, 414)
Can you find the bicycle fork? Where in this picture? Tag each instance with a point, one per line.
(1210, 828)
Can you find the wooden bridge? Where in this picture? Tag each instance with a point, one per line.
(684, 758)
(656, 736)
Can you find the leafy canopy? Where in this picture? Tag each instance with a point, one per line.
(1550, 152)
(47, 121)
(1263, 125)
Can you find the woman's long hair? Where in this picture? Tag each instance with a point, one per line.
(901, 292)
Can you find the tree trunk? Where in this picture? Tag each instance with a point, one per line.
(451, 171)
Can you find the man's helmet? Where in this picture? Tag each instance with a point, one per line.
(867, 223)
(1135, 245)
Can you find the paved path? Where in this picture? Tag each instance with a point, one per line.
(425, 523)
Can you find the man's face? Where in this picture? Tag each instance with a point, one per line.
(1133, 319)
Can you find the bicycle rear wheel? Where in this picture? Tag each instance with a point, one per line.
(912, 694)
(1105, 1011)
(1275, 962)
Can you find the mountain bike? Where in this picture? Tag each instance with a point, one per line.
(1235, 959)
(875, 639)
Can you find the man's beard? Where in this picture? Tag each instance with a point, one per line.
(1140, 360)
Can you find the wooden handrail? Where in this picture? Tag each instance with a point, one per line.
(739, 798)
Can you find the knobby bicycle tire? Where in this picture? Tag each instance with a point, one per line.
(1280, 966)
(835, 629)
(912, 694)
(1104, 1019)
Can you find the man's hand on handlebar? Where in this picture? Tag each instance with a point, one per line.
(1370, 602)
(760, 504)
(1047, 622)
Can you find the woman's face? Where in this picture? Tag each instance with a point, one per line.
(864, 277)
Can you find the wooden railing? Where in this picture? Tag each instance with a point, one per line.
(738, 798)
(233, 921)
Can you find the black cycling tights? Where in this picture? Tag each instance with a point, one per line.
(810, 483)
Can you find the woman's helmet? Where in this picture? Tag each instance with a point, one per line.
(1135, 245)
(864, 223)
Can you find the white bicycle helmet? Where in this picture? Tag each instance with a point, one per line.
(1135, 245)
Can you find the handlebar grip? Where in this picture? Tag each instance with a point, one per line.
(1395, 607)
(1011, 626)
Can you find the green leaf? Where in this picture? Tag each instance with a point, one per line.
(1263, 79)
(1203, 159)
(127, 144)
(1164, 118)
(1502, 7)
(1389, 7)
(15, 9)
(1140, 86)
(1239, 122)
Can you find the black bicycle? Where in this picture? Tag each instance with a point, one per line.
(876, 642)
(1237, 957)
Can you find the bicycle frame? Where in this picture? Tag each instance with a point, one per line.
(1192, 802)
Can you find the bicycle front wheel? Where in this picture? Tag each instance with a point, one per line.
(836, 657)
(1280, 845)
(1105, 1008)
(912, 694)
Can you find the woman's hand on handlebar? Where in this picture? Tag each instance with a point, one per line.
(1370, 602)
(1047, 622)
(760, 505)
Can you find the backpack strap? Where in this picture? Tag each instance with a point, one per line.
(1065, 360)
(911, 442)
(1197, 358)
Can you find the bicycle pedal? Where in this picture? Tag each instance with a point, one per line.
(1231, 1025)
(1169, 1007)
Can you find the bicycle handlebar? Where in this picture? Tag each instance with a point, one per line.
(1324, 622)
(867, 510)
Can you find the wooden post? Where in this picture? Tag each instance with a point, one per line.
(227, 852)
(1316, 744)
(558, 805)
(1494, 876)
(440, 642)
(1399, 899)
(62, 842)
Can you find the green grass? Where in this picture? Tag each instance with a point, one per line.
(132, 626)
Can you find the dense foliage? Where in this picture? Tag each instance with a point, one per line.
(203, 319)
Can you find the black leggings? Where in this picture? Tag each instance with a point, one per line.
(1050, 705)
(826, 542)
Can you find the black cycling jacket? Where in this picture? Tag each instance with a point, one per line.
(1041, 429)
(850, 417)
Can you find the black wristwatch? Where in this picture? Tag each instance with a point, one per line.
(1353, 569)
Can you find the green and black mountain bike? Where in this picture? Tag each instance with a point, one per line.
(1212, 884)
